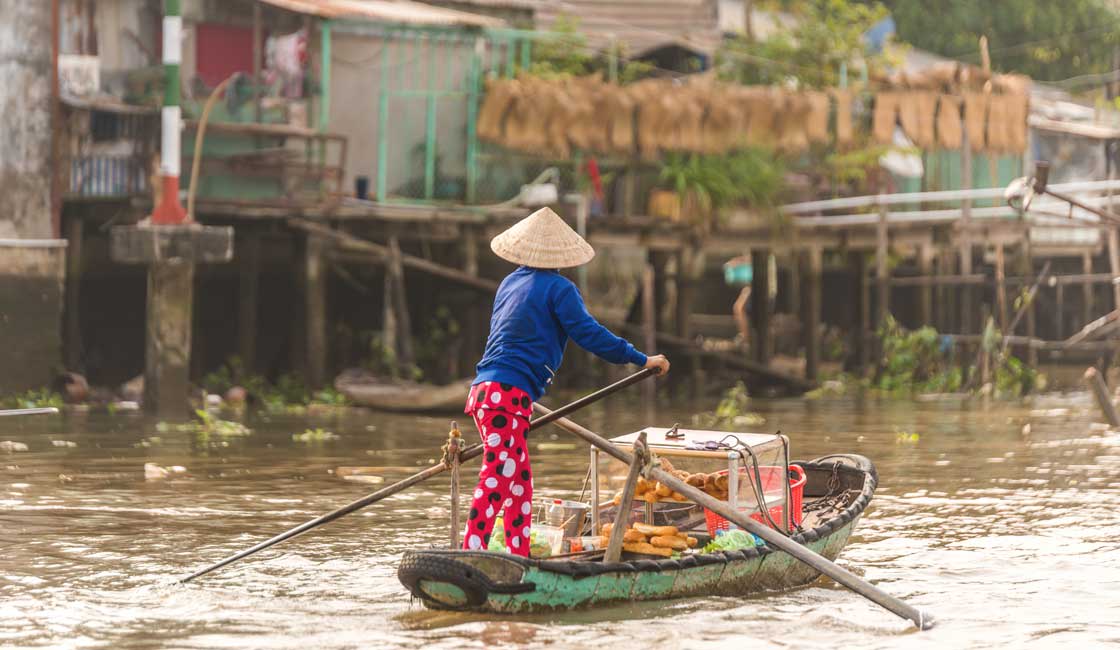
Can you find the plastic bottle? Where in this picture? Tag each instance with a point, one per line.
(555, 513)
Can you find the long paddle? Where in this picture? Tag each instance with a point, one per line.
(38, 411)
(434, 470)
(771, 536)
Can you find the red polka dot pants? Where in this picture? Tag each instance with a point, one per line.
(505, 483)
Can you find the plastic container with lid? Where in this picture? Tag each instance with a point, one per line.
(546, 540)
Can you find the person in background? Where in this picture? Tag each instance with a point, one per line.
(536, 311)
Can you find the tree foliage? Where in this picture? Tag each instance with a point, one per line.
(827, 34)
(1045, 39)
(566, 53)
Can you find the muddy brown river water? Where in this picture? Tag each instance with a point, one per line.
(1001, 519)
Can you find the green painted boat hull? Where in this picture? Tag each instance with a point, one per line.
(502, 583)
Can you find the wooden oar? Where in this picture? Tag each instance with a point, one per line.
(40, 411)
(769, 535)
(434, 470)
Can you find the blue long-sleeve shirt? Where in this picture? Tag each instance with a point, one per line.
(535, 313)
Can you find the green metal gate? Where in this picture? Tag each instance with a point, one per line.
(430, 80)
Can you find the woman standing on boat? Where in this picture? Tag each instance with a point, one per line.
(536, 311)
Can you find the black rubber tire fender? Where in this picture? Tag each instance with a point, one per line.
(476, 586)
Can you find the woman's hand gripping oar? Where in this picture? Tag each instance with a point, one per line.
(435, 470)
(769, 535)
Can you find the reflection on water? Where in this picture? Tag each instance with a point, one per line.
(1001, 519)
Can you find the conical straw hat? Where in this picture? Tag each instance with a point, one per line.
(542, 240)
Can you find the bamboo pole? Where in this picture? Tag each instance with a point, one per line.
(760, 308)
(381, 254)
(248, 292)
(1087, 288)
(1100, 391)
(812, 319)
(1027, 302)
(649, 330)
(315, 306)
(614, 545)
(72, 342)
(1031, 306)
(769, 535)
(882, 272)
(1114, 264)
(925, 293)
(405, 355)
(435, 470)
(1001, 288)
(454, 445)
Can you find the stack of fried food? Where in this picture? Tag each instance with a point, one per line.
(714, 484)
(652, 540)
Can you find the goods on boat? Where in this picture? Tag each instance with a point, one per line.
(544, 540)
(366, 389)
(664, 560)
(647, 539)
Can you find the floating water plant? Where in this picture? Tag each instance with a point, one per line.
(207, 424)
(315, 435)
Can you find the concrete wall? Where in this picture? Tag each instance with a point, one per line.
(31, 264)
(31, 291)
(25, 119)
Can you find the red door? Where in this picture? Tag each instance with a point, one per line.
(221, 50)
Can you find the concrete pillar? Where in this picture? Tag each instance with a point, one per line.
(167, 353)
(171, 253)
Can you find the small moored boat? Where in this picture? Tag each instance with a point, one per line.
(365, 389)
(837, 490)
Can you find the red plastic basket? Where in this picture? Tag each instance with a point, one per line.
(770, 475)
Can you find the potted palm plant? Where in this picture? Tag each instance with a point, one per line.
(694, 187)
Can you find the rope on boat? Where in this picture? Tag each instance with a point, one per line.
(453, 446)
(833, 498)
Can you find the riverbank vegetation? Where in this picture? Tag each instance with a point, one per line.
(923, 361)
(40, 398)
(288, 394)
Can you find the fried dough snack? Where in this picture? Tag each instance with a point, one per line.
(662, 531)
(675, 543)
(647, 549)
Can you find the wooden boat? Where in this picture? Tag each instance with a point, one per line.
(837, 491)
(365, 389)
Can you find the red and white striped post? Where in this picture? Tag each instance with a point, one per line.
(171, 247)
(170, 211)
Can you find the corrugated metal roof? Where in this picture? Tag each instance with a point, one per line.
(641, 25)
(392, 11)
